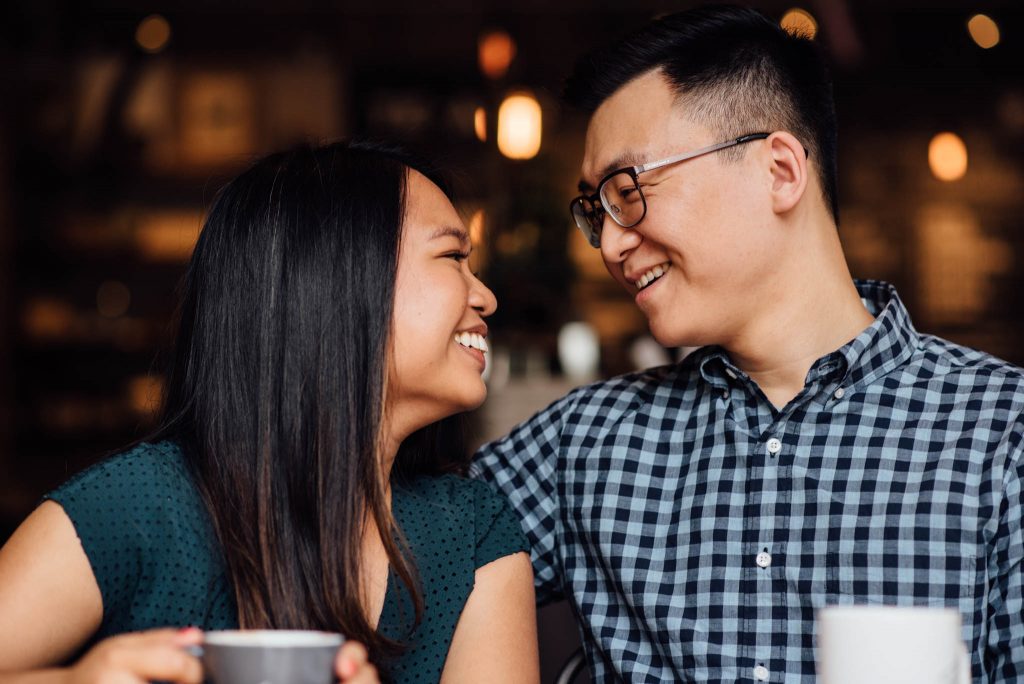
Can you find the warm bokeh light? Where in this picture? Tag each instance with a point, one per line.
(47, 318)
(476, 228)
(168, 235)
(153, 33)
(496, 50)
(480, 124)
(519, 126)
(959, 263)
(799, 22)
(217, 120)
(113, 299)
(947, 156)
(984, 31)
(144, 393)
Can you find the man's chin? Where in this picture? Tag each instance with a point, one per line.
(672, 336)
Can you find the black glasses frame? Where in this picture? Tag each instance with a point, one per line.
(588, 211)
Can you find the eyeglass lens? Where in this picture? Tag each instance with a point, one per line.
(621, 196)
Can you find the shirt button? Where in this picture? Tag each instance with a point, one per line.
(761, 673)
(764, 559)
(774, 446)
(730, 373)
(838, 394)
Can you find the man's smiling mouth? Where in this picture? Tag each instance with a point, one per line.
(653, 274)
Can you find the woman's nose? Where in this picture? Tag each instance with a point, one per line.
(481, 298)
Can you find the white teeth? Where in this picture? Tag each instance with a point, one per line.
(652, 275)
(472, 340)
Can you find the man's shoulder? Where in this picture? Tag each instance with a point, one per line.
(970, 369)
(609, 399)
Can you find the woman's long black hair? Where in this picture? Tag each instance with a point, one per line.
(276, 386)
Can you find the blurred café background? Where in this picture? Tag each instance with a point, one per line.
(119, 121)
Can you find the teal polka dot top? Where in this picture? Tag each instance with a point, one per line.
(152, 549)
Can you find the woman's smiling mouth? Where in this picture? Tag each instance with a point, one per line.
(475, 345)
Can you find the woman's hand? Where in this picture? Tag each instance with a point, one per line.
(140, 658)
(352, 665)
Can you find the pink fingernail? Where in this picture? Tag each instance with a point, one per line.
(348, 668)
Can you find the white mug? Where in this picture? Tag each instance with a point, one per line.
(891, 645)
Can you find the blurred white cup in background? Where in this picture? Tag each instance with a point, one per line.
(891, 645)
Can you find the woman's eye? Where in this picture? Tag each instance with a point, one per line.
(457, 256)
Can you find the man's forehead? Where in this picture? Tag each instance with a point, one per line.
(643, 143)
(635, 124)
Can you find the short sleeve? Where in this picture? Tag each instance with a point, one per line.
(96, 501)
(149, 542)
(498, 532)
(522, 466)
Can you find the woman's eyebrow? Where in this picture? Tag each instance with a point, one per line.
(459, 234)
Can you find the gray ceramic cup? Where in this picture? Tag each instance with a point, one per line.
(270, 657)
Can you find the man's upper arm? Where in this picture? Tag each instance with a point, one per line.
(1004, 652)
(524, 467)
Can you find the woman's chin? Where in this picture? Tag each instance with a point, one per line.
(475, 399)
(453, 403)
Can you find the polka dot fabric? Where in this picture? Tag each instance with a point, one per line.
(453, 526)
(148, 538)
(149, 541)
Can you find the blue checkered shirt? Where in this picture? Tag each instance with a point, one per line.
(696, 529)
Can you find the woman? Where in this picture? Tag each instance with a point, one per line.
(329, 320)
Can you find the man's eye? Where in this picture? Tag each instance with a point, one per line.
(629, 193)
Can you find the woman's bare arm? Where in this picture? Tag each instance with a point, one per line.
(50, 603)
(496, 637)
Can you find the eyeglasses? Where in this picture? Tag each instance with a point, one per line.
(619, 194)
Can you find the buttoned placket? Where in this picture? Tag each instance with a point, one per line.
(762, 499)
(763, 554)
(769, 459)
(773, 453)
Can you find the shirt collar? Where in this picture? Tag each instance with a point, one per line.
(885, 344)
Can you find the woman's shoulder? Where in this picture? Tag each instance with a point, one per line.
(142, 470)
(144, 529)
(143, 491)
(462, 509)
(450, 493)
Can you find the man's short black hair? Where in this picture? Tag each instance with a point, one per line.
(737, 71)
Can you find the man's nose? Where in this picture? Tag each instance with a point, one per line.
(617, 242)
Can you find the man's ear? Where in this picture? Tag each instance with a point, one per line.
(789, 171)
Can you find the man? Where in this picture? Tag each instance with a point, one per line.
(816, 450)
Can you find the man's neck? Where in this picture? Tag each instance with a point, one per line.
(812, 316)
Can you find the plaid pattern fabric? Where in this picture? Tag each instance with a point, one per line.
(696, 530)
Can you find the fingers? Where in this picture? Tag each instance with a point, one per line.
(190, 636)
(157, 654)
(367, 674)
(352, 664)
(157, 637)
(165, 663)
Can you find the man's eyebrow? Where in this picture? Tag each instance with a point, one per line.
(451, 231)
(623, 160)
